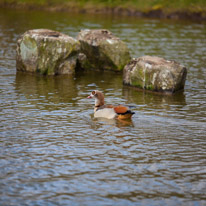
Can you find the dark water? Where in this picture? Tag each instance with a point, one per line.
(52, 150)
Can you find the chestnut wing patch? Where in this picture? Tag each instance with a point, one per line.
(120, 109)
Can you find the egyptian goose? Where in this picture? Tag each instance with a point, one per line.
(109, 111)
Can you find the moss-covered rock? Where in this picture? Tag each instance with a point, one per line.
(103, 50)
(47, 52)
(155, 73)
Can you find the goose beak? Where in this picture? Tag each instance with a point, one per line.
(89, 97)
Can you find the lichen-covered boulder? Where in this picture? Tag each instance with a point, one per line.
(47, 52)
(155, 73)
(103, 50)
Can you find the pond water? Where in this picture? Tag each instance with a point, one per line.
(54, 152)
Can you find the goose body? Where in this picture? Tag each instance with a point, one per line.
(109, 111)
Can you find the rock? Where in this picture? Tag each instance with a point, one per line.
(83, 61)
(155, 73)
(47, 52)
(103, 50)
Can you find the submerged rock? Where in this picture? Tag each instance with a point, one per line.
(103, 50)
(155, 73)
(47, 52)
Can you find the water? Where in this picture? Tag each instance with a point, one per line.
(52, 150)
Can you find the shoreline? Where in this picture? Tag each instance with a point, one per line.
(155, 13)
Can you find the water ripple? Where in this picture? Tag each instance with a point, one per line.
(54, 152)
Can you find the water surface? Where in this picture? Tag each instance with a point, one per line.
(54, 152)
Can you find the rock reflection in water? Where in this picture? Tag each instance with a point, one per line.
(53, 89)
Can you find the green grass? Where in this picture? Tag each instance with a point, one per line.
(142, 5)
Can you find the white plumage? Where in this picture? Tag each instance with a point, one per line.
(108, 113)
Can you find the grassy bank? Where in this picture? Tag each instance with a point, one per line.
(195, 9)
